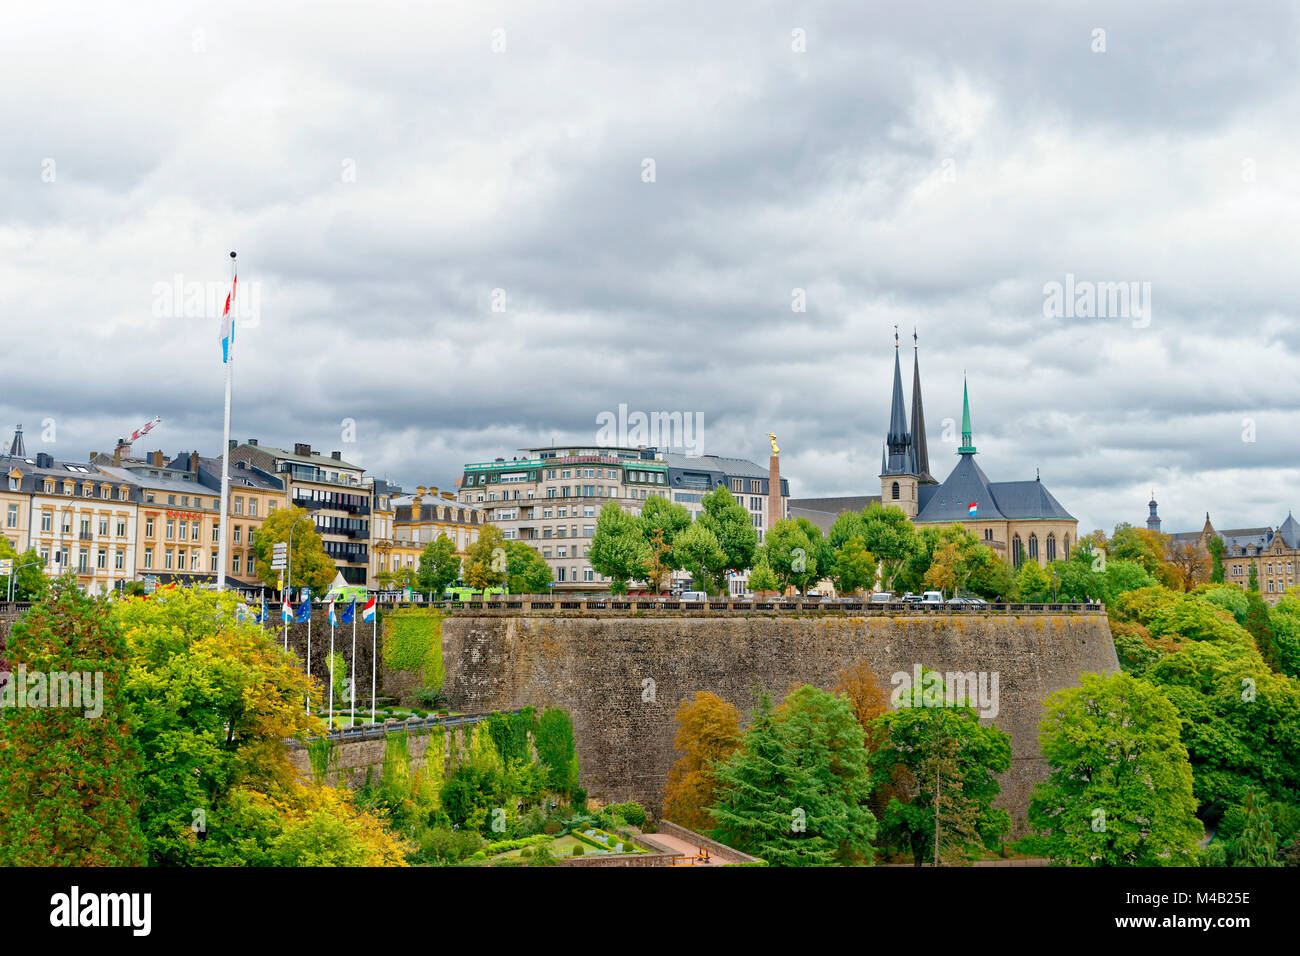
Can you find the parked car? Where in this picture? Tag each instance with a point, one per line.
(910, 598)
(882, 597)
(932, 597)
(694, 596)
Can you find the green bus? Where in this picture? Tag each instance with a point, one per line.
(469, 594)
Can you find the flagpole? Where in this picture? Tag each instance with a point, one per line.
(331, 706)
(309, 655)
(354, 664)
(229, 357)
(374, 660)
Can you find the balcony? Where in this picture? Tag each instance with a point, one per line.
(309, 504)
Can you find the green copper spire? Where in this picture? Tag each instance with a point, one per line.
(967, 446)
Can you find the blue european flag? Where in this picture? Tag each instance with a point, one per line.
(304, 612)
(350, 612)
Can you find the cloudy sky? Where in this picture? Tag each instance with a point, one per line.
(475, 228)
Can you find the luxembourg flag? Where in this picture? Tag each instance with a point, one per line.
(334, 621)
(973, 509)
(368, 612)
(228, 322)
(286, 612)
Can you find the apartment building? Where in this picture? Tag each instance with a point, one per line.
(254, 495)
(79, 519)
(551, 496)
(178, 524)
(335, 492)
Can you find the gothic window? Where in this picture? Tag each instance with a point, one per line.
(1051, 547)
(1017, 551)
(894, 491)
(1033, 546)
(1065, 550)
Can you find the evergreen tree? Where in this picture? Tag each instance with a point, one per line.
(1257, 845)
(69, 771)
(795, 792)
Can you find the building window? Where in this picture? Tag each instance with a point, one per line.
(169, 560)
(171, 528)
(83, 561)
(101, 559)
(148, 558)
(1065, 547)
(1017, 551)
(1033, 546)
(234, 564)
(239, 506)
(47, 521)
(119, 560)
(236, 535)
(1051, 547)
(13, 516)
(103, 525)
(893, 491)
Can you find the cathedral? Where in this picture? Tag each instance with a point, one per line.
(1017, 519)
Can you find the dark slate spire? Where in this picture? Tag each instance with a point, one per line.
(920, 450)
(900, 457)
(1153, 519)
(17, 449)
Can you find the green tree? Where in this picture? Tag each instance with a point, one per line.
(618, 550)
(942, 763)
(790, 554)
(1032, 585)
(485, 562)
(733, 528)
(761, 578)
(658, 514)
(1257, 622)
(69, 770)
(1120, 790)
(528, 572)
(553, 737)
(847, 525)
(854, 568)
(795, 792)
(890, 537)
(700, 553)
(29, 580)
(439, 567)
(1257, 844)
(1215, 546)
(309, 565)
(1284, 622)
(214, 698)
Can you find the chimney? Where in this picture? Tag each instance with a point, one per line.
(419, 492)
(449, 495)
(434, 492)
(253, 442)
(94, 455)
(156, 458)
(117, 453)
(194, 461)
(233, 444)
(43, 460)
(302, 449)
(336, 455)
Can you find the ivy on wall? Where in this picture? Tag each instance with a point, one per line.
(413, 642)
(322, 757)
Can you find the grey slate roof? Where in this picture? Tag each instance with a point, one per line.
(996, 500)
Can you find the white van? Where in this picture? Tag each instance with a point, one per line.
(932, 597)
(694, 596)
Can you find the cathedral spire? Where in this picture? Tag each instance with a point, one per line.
(967, 445)
(922, 453)
(17, 449)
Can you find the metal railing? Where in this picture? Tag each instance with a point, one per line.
(562, 604)
(393, 725)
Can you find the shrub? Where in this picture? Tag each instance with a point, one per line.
(552, 827)
(578, 850)
(631, 812)
(526, 852)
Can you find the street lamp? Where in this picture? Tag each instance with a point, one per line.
(13, 575)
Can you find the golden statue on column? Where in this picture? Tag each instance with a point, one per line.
(775, 450)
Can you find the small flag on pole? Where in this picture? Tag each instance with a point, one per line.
(228, 321)
(368, 612)
(973, 508)
(304, 611)
(286, 613)
(350, 612)
(334, 620)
